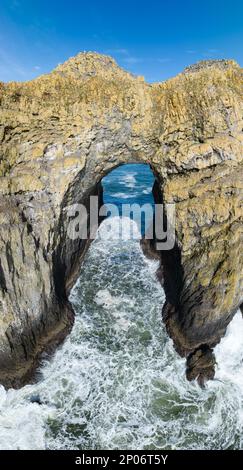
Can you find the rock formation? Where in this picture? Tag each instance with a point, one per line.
(59, 135)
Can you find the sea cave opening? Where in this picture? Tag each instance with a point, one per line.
(116, 382)
(130, 184)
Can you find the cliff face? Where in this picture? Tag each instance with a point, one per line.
(59, 135)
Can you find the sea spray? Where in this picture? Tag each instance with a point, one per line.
(117, 382)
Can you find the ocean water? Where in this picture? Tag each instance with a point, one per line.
(116, 381)
(131, 184)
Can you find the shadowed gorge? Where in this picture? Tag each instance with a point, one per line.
(60, 134)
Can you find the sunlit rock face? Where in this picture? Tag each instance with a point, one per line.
(59, 135)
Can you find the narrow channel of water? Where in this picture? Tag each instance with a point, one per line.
(117, 382)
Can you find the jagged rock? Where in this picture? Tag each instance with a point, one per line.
(59, 135)
(200, 365)
(219, 63)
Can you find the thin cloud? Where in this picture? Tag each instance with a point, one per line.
(132, 60)
(206, 53)
(164, 60)
(37, 67)
(10, 67)
(127, 58)
(119, 51)
(125, 55)
(210, 53)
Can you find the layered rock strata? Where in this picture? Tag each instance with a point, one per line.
(59, 135)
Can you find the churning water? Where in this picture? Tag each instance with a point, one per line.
(117, 382)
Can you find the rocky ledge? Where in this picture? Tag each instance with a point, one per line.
(59, 135)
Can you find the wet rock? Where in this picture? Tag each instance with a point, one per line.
(201, 365)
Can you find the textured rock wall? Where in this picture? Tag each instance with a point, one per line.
(59, 135)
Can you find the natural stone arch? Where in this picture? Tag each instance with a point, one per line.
(59, 135)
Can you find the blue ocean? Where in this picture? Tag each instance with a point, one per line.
(130, 184)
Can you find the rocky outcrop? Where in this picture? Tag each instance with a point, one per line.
(59, 135)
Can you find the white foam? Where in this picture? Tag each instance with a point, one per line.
(22, 423)
(128, 180)
(108, 301)
(147, 191)
(117, 382)
(229, 353)
(118, 229)
(122, 195)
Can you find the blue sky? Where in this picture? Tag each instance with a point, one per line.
(153, 38)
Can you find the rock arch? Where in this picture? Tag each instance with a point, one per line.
(59, 135)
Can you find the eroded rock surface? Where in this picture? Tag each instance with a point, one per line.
(59, 135)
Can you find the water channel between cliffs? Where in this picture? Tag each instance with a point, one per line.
(117, 382)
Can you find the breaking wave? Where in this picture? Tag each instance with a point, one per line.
(117, 382)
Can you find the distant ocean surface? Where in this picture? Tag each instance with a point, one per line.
(117, 382)
(133, 186)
